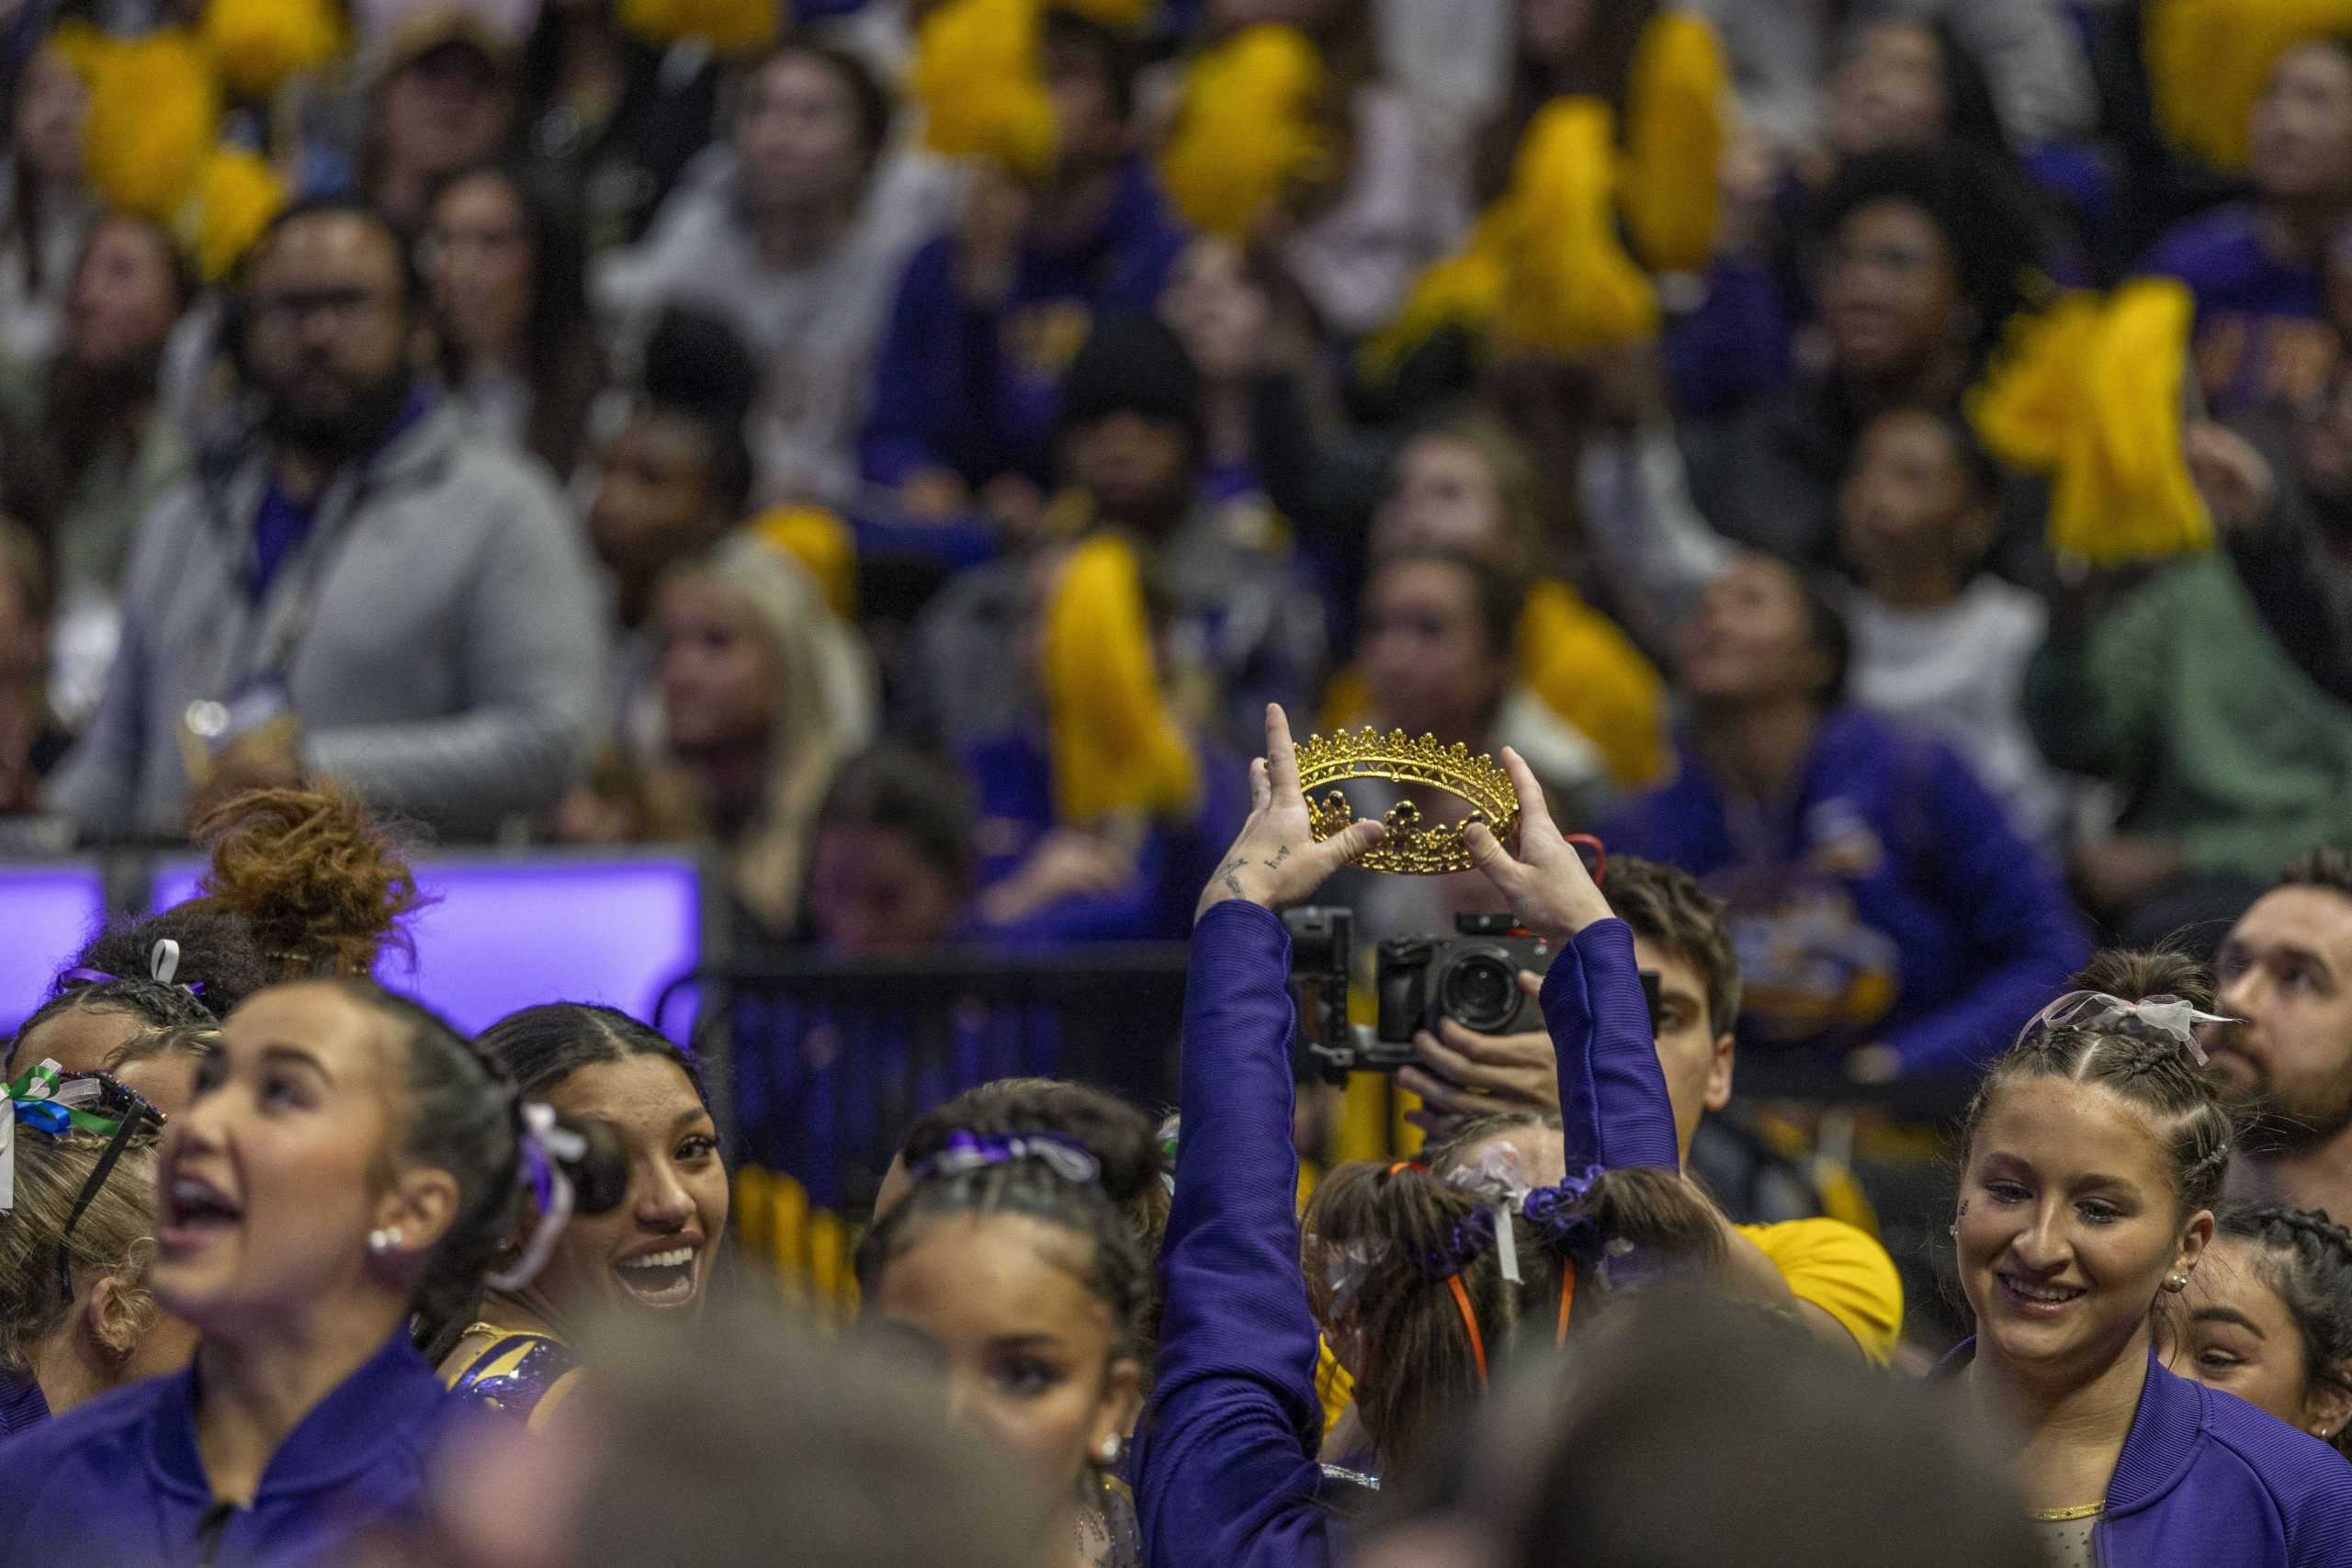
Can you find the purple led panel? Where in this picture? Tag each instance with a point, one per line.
(47, 912)
(508, 932)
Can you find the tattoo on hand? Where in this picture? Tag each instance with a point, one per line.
(1280, 855)
(1226, 874)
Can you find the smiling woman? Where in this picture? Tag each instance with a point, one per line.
(651, 1251)
(2093, 1157)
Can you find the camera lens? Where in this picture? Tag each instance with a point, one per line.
(1480, 992)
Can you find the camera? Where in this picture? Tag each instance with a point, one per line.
(1322, 955)
(1472, 978)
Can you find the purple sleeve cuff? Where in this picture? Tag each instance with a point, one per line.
(1614, 1111)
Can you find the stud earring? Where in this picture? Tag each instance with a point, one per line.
(1108, 1452)
(379, 1242)
(2177, 1282)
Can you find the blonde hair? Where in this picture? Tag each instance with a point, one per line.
(825, 713)
(114, 1238)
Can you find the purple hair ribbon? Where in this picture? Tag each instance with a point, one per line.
(545, 1142)
(1068, 1158)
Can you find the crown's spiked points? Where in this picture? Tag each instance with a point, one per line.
(1410, 848)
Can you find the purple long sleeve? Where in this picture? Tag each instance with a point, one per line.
(1614, 1111)
(1225, 1468)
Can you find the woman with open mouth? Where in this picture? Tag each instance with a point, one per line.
(650, 1251)
(345, 1154)
(2094, 1159)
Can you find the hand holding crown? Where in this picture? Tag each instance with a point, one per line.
(1409, 847)
(1283, 854)
(1551, 892)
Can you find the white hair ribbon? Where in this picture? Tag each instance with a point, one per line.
(164, 960)
(1498, 1177)
(2167, 1017)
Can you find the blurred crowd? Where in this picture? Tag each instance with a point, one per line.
(1893, 461)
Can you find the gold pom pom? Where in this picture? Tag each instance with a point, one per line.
(2092, 393)
(1543, 271)
(1465, 290)
(154, 113)
(237, 193)
(978, 73)
(1116, 747)
(2208, 61)
(1676, 117)
(1571, 285)
(258, 45)
(1245, 132)
(819, 539)
(729, 27)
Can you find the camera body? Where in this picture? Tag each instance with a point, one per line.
(1471, 977)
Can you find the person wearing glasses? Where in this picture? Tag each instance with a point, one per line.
(353, 587)
(348, 1161)
(78, 1314)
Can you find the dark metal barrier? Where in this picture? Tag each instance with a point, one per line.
(820, 1062)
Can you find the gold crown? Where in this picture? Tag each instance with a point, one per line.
(1409, 849)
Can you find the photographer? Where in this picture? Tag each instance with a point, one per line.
(1225, 1466)
(1480, 1089)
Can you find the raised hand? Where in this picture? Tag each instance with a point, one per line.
(1275, 862)
(1550, 892)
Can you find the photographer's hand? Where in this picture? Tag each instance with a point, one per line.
(1550, 892)
(1276, 861)
(1467, 1075)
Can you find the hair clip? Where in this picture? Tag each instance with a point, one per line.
(163, 968)
(545, 1144)
(2168, 1018)
(1066, 1157)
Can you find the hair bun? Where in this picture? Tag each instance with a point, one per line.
(320, 881)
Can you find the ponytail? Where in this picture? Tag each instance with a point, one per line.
(465, 1116)
(1442, 1280)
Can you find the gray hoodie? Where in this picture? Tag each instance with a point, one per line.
(436, 633)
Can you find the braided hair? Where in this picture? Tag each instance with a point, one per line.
(2155, 1073)
(157, 1008)
(1386, 1246)
(2306, 1258)
(1021, 1125)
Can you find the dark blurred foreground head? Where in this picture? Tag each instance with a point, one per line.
(1690, 1431)
(742, 1441)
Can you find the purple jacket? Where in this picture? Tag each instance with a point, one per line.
(1224, 1467)
(1891, 901)
(2207, 1480)
(118, 1481)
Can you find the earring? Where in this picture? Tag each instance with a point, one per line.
(2177, 1282)
(1108, 1451)
(379, 1242)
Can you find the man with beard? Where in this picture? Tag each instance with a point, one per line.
(355, 589)
(2286, 974)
